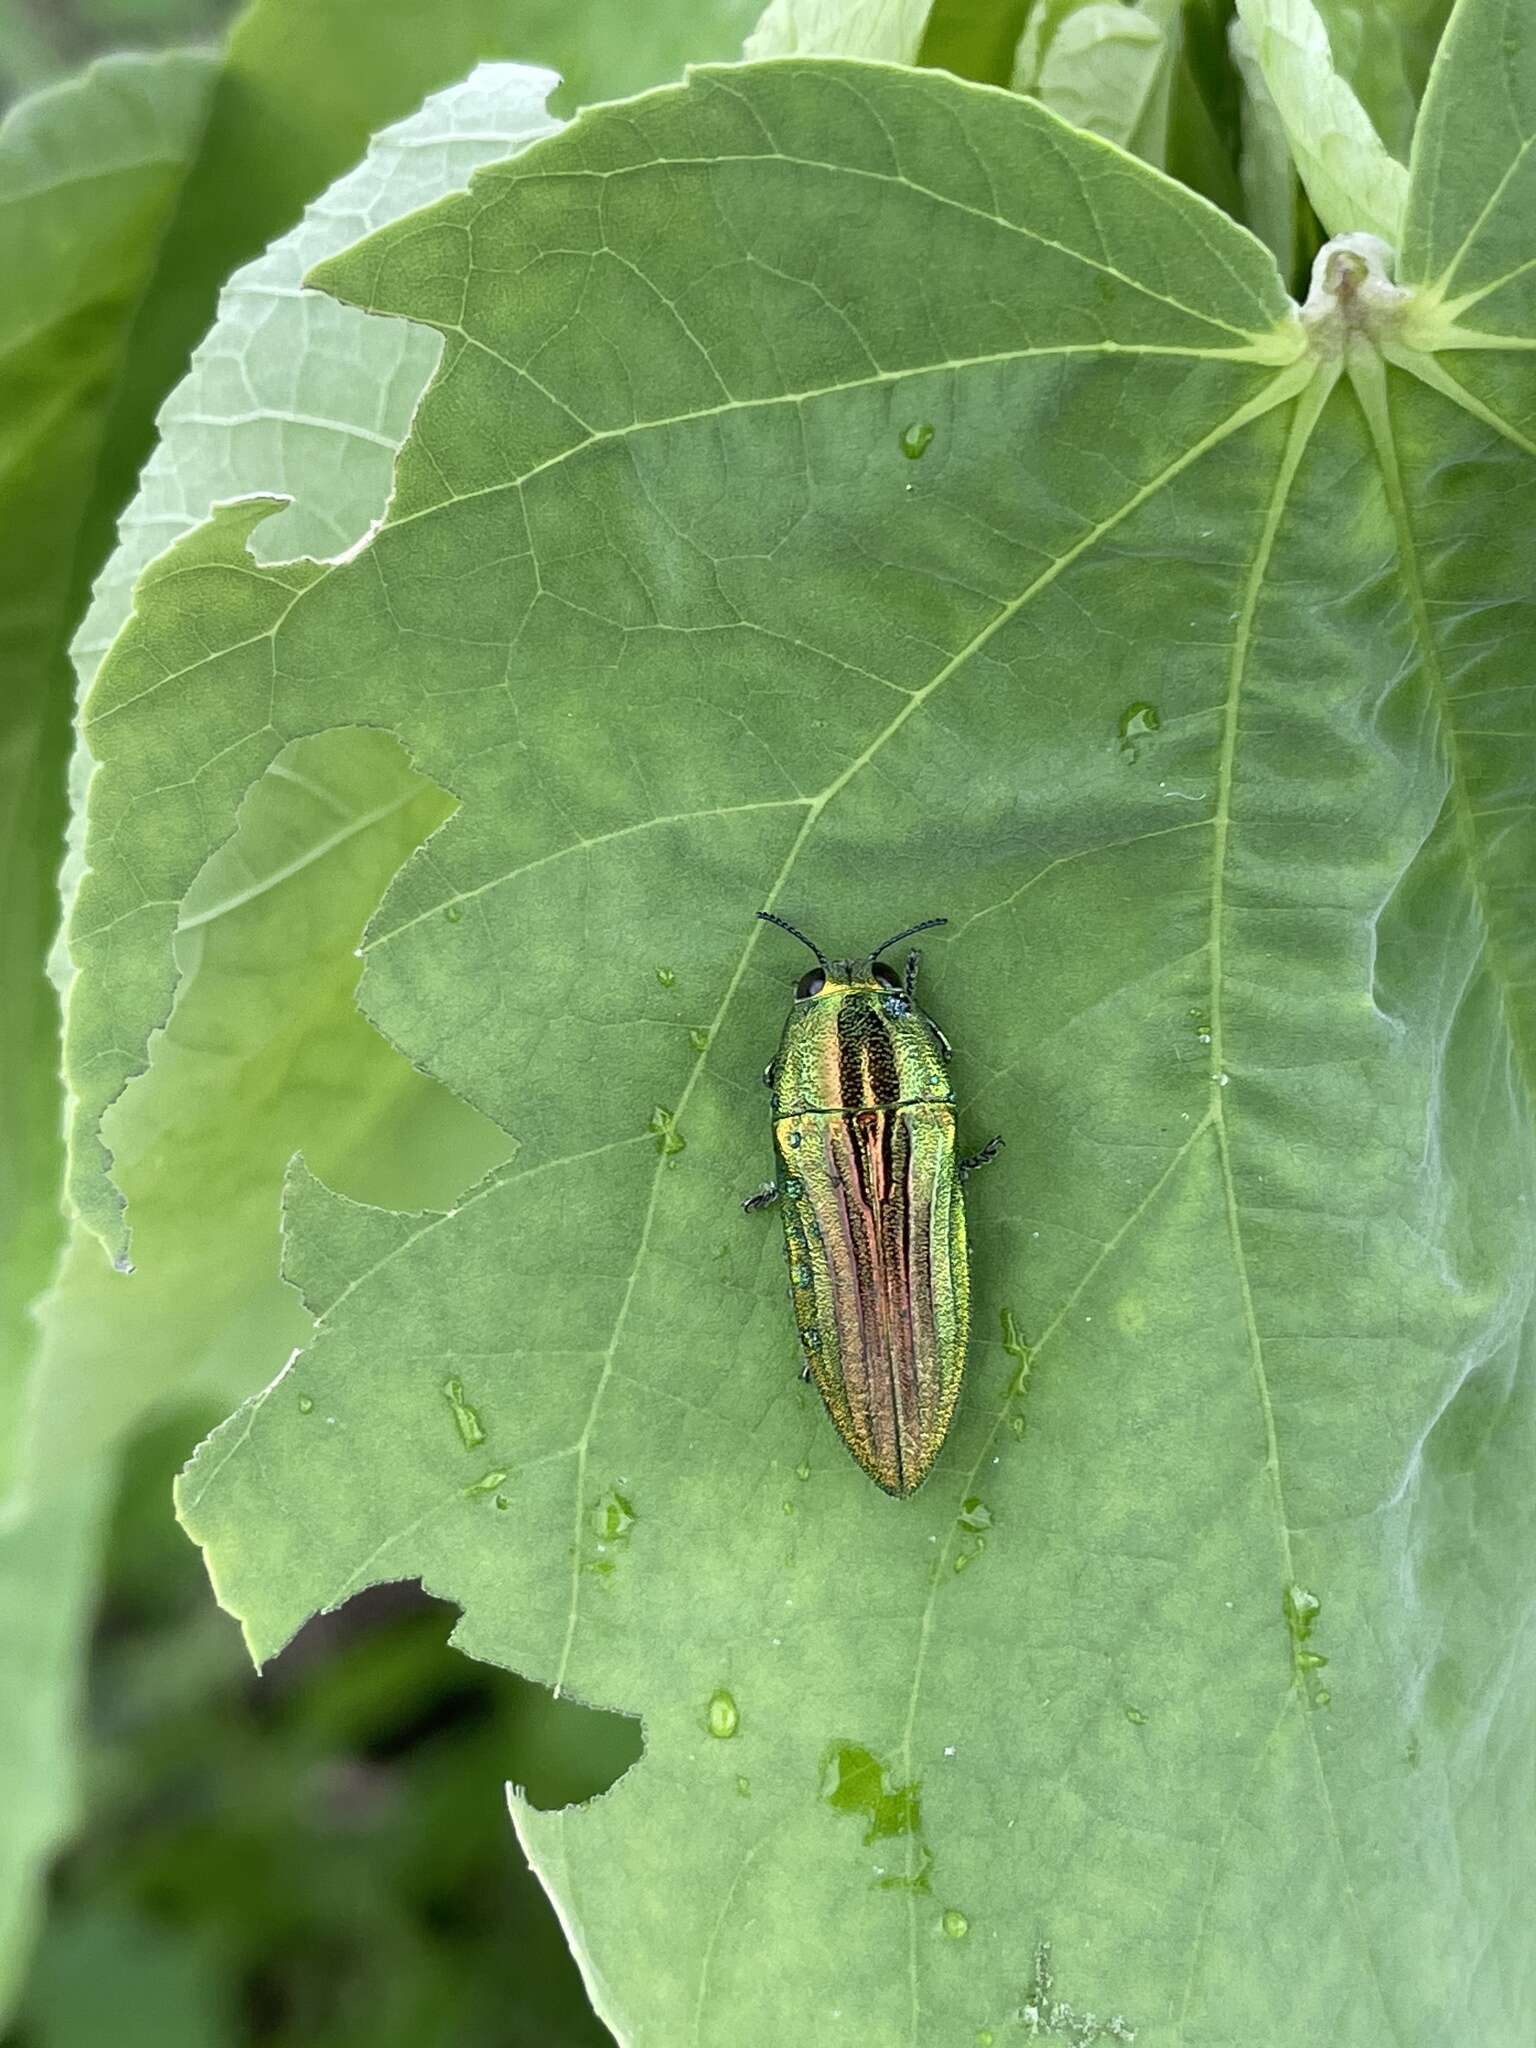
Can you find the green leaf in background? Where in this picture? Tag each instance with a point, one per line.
(47, 1581)
(291, 392)
(889, 29)
(42, 41)
(974, 38)
(1351, 179)
(1105, 67)
(89, 173)
(1177, 667)
(121, 137)
(1266, 168)
(1384, 49)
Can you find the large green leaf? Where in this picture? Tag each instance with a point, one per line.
(1183, 665)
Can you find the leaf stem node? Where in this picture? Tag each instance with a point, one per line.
(1353, 297)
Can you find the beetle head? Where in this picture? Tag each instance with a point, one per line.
(839, 977)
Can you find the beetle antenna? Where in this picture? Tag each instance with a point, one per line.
(927, 925)
(768, 917)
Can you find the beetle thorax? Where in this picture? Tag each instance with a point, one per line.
(856, 1046)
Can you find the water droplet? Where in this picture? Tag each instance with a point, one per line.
(964, 1561)
(789, 1507)
(975, 1514)
(1310, 1660)
(471, 1435)
(984, 2037)
(722, 1719)
(1015, 1347)
(916, 440)
(1223, 1080)
(1322, 1697)
(666, 977)
(663, 1128)
(955, 1924)
(453, 913)
(613, 1517)
(698, 1038)
(1136, 1717)
(502, 1502)
(1301, 1611)
(487, 1484)
(803, 1469)
(306, 1405)
(854, 1780)
(744, 1788)
(1016, 1424)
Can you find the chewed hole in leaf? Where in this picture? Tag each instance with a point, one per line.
(557, 1751)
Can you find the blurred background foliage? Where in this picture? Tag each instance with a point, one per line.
(316, 1857)
(41, 40)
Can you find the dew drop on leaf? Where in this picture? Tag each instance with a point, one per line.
(955, 1924)
(614, 1517)
(722, 1719)
(466, 1420)
(916, 440)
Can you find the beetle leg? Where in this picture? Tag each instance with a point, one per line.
(805, 1374)
(981, 1158)
(946, 1050)
(765, 1197)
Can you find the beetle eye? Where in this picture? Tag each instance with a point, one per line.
(810, 984)
(886, 976)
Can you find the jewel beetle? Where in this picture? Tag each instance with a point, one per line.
(869, 1186)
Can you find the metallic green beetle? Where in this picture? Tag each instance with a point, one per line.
(874, 1224)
